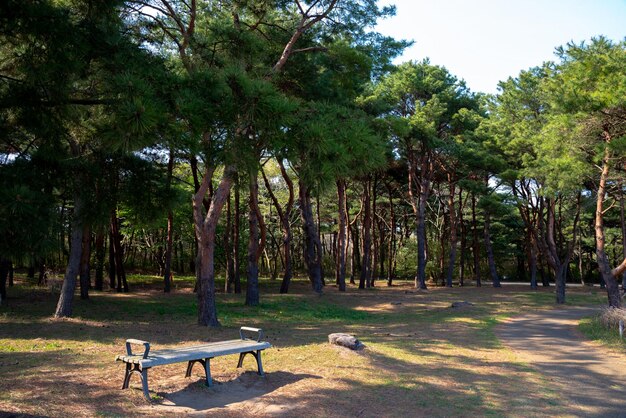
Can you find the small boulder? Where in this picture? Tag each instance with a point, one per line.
(463, 304)
(345, 340)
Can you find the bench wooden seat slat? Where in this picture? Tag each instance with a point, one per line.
(196, 352)
(201, 353)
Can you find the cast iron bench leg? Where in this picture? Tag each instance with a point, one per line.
(259, 363)
(144, 383)
(206, 363)
(257, 356)
(207, 371)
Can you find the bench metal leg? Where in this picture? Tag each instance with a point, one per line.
(206, 363)
(144, 383)
(143, 374)
(257, 356)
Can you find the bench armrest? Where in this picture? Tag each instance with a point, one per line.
(259, 332)
(146, 344)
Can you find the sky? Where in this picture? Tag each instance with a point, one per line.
(486, 41)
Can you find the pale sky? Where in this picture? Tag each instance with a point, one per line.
(485, 41)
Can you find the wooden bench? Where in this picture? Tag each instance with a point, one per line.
(141, 363)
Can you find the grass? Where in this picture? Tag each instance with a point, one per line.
(423, 358)
(593, 329)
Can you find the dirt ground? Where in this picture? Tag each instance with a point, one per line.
(422, 357)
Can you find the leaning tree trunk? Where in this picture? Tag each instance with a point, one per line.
(312, 257)
(64, 306)
(342, 235)
(604, 265)
(283, 215)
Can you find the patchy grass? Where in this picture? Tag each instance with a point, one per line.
(594, 329)
(423, 358)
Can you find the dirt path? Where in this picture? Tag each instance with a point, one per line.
(591, 382)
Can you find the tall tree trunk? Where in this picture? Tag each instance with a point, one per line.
(375, 236)
(255, 248)
(342, 235)
(112, 278)
(609, 277)
(122, 284)
(85, 268)
(623, 225)
(366, 272)
(453, 237)
(392, 238)
(283, 214)
(312, 256)
(65, 304)
(463, 240)
(532, 260)
(475, 245)
(490, 258)
(5, 265)
(99, 282)
(206, 228)
(230, 268)
(167, 271)
(236, 229)
(167, 274)
(421, 236)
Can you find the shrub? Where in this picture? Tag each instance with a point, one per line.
(610, 317)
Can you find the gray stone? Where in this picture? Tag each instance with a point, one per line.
(345, 340)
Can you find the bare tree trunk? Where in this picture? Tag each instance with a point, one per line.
(392, 239)
(85, 268)
(312, 256)
(112, 276)
(490, 258)
(623, 225)
(65, 304)
(283, 214)
(236, 230)
(532, 249)
(167, 274)
(206, 228)
(475, 246)
(342, 235)
(453, 237)
(99, 282)
(122, 284)
(366, 271)
(254, 248)
(230, 269)
(610, 279)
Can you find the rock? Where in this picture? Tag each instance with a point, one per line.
(463, 304)
(345, 340)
